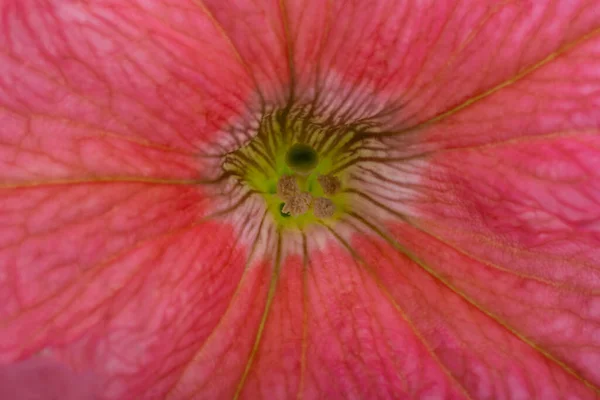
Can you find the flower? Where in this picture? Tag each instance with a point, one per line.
(144, 243)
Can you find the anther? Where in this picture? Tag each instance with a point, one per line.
(323, 208)
(297, 205)
(287, 187)
(330, 184)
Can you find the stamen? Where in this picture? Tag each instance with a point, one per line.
(298, 204)
(287, 187)
(330, 184)
(323, 207)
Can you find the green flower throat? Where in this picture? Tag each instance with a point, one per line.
(299, 165)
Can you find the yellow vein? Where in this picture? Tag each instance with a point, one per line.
(403, 250)
(525, 72)
(263, 321)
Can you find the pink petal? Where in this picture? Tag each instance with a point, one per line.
(256, 29)
(110, 113)
(414, 61)
(534, 223)
(45, 379)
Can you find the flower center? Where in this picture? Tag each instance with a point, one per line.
(299, 164)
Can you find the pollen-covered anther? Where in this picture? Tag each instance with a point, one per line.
(298, 204)
(287, 187)
(323, 207)
(330, 184)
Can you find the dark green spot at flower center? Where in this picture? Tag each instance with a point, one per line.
(301, 158)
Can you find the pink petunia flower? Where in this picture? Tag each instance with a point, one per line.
(312, 199)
